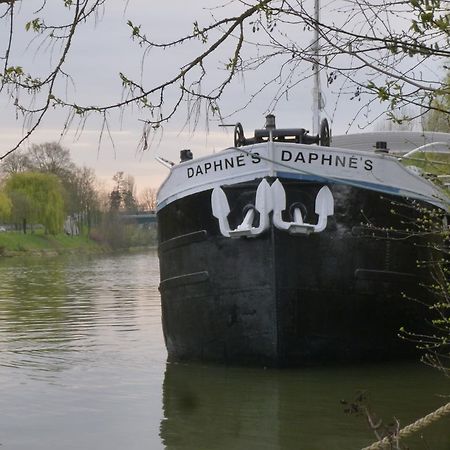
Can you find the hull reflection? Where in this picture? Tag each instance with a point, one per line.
(247, 408)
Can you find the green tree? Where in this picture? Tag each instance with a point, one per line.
(5, 206)
(21, 209)
(439, 119)
(80, 195)
(39, 198)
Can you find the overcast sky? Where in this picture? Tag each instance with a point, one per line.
(104, 49)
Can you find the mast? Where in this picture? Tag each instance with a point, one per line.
(317, 96)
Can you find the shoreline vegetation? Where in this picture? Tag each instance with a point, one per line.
(50, 206)
(37, 243)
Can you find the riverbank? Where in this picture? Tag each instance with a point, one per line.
(14, 243)
(18, 244)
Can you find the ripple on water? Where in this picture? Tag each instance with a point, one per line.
(60, 311)
(82, 366)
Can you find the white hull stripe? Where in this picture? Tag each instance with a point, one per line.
(325, 165)
(359, 184)
(311, 178)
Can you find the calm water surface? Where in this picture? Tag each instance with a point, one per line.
(83, 366)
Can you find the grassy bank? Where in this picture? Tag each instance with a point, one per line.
(111, 236)
(434, 163)
(16, 243)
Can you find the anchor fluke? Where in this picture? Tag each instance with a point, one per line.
(279, 201)
(221, 209)
(279, 205)
(324, 208)
(264, 205)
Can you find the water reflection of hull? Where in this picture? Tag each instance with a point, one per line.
(283, 299)
(207, 408)
(216, 408)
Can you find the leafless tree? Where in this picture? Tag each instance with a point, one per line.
(15, 163)
(147, 199)
(50, 157)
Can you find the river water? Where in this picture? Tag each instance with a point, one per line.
(83, 366)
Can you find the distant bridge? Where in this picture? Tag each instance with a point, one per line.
(144, 217)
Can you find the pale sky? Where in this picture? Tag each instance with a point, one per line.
(101, 51)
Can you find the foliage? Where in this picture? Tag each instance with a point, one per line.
(77, 186)
(436, 346)
(369, 51)
(21, 208)
(439, 119)
(115, 200)
(122, 197)
(435, 166)
(80, 194)
(5, 206)
(117, 234)
(38, 198)
(426, 228)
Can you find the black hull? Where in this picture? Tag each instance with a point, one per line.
(288, 300)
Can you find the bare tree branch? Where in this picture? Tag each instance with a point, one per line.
(375, 49)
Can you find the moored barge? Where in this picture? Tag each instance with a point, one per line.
(283, 251)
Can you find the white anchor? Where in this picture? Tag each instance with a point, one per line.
(270, 198)
(324, 207)
(263, 204)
